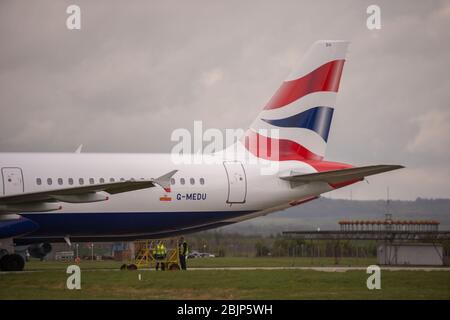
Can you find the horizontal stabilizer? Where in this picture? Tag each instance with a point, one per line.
(341, 176)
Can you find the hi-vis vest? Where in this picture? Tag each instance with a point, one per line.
(160, 249)
(181, 248)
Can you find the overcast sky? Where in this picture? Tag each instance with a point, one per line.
(137, 70)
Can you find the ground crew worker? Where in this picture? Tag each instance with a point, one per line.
(160, 255)
(183, 252)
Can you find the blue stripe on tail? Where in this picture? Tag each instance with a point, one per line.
(317, 119)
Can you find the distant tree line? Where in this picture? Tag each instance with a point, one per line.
(238, 245)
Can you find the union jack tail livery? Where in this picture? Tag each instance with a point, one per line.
(301, 110)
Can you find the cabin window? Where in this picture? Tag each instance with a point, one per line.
(202, 181)
(192, 180)
(91, 180)
(38, 181)
(182, 181)
(102, 180)
(60, 181)
(172, 181)
(70, 181)
(49, 181)
(122, 179)
(81, 181)
(112, 180)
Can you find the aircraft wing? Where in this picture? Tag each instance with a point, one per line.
(47, 200)
(340, 176)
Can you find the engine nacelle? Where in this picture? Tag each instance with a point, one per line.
(39, 250)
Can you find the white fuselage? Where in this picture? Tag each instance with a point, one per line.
(222, 187)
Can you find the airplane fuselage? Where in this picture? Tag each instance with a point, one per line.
(202, 195)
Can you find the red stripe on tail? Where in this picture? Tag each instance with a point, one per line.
(276, 149)
(324, 78)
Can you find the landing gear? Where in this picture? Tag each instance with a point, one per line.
(12, 262)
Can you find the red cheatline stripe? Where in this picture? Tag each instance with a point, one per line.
(324, 78)
(323, 166)
(344, 184)
(263, 147)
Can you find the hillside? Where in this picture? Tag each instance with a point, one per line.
(324, 213)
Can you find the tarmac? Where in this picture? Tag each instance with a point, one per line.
(327, 269)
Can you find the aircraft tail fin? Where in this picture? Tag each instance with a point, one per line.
(301, 110)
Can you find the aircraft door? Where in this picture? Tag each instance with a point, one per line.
(237, 181)
(12, 181)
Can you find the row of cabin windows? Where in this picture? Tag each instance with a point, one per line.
(191, 181)
(70, 181)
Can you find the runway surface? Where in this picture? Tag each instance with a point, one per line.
(327, 269)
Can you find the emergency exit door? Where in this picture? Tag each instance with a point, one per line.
(237, 182)
(12, 181)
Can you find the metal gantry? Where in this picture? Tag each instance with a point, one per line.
(382, 235)
(390, 225)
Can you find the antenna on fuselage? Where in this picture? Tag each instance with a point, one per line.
(79, 149)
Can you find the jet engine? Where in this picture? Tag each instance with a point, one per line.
(40, 250)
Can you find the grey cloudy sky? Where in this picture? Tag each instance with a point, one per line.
(139, 69)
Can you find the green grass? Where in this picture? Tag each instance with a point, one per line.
(49, 282)
(256, 284)
(278, 262)
(35, 265)
(215, 262)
